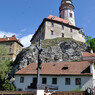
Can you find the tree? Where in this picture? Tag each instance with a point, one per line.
(8, 86)
(5, 67)
(90, 43)
(88, 38)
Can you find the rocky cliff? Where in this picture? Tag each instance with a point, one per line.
(55, 50)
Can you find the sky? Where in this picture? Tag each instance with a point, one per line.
(23, 17)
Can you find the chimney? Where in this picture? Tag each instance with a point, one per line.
(4, 36)
(82, 29)
(7, 38)
(13, 35)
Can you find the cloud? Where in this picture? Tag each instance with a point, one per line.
(9, 34)
(26, 40)
(24, 30)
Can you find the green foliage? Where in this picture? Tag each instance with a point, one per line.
(88, 38)
(8, 86)
(4, 69)
(90, 42)
(77, 89)
(56, 41)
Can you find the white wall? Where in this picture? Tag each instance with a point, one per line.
(86, 81)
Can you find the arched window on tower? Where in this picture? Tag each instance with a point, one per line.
(71, 15)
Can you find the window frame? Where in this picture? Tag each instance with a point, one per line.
(78, 81)
(52, 32)
(62, 35)
(71, 15)
(21, 79)
(71, 30)
(52, 24)
(3, 58)
(54, 80)
(44, 80)
(66, 82)
(62, 27)
(10, 50)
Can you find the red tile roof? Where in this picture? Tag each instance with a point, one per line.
(58, 19)
(10, 39)
(74, 68)
(87, 54)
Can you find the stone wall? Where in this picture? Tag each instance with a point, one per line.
(57, 32)
(58, 29)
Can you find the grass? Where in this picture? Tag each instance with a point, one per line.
(56, 41)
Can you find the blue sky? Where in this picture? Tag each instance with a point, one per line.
(22, 17)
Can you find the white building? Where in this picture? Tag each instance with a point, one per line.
(65, 76)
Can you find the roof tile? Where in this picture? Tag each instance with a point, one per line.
(74, 68)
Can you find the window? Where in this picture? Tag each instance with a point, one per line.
(19, 89)
(54, 80)
(71, 30)
(10, 44)
(78, 81)
(34, 80)
(67, 81)
(3, 58)
(51, 32)
(10, 50)
(70, 14)
(21, 79)
(52, 24)
(44, 80)
(62, 27)
(62, 34)
(17, 45)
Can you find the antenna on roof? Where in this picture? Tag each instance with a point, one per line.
(50, 12)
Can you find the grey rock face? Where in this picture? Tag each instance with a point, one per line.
(62, 51)
(55, 50)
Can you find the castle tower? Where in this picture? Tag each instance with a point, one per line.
(66, 11)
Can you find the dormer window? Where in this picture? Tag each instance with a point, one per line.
(65, 67)
(7, 38)
(52, 18)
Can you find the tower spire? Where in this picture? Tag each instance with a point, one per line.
(66, 11)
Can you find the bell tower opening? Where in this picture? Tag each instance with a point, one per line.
(66, 11)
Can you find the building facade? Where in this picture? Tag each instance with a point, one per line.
(62, 26)
(65, 76)
(12, 45)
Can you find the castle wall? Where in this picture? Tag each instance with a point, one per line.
(58, 30)
(39, 35)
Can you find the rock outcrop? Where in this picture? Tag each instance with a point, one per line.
(55, 50)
